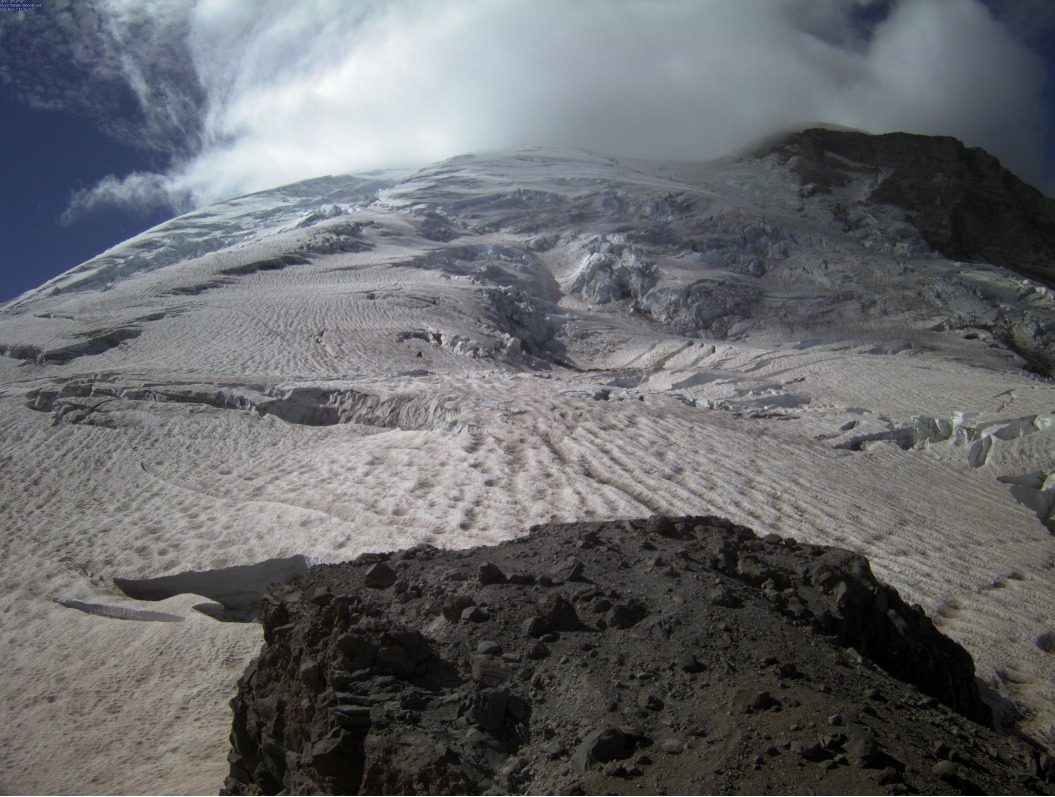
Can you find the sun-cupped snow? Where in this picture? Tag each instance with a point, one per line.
(367, 363)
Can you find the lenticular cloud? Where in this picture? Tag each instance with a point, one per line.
(293, 90)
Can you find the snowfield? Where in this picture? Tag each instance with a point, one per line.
(367, 363)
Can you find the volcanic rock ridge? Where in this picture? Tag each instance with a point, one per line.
(667, 655)
(964, 202)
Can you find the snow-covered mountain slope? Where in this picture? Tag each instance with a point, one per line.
(367, 363)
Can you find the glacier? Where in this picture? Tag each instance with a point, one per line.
(361, 363)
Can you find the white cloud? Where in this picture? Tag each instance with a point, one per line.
(298, 89)
(139, 193)
(945, 67)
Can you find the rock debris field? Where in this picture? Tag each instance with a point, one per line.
(667, 655)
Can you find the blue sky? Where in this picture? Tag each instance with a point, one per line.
(116, 114)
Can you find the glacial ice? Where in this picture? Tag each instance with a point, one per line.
(357, 364)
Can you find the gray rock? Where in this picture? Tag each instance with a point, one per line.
(535, 626)
(490, 709)
(748, 699)
(673, 746)
(571, 571)
(488, 671)
(600, 747)
(948, 771)
(379, 576)
(625, 615)
(556, 610)
(454, 606)
(861, 746)
(491, 574)
(474, 614)
(359, 650)
(689, 663)
(650, 701)
(723, 596)
(538, 651)
(888, 776)
(811, 751)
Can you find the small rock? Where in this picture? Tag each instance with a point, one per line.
(558, 612)
(572, 571)
(834, 741)
(600, 747)
(491, 574)
(488, 671)
(723, 596)
(615, 770)
(810, 751)
(474, 614)
(753, 570)
(454, 606)
(518, 708)
(538, 651)
(535, 627)
(948, 771)
(961, 757)
(749, 699)
(673, 746)
(490, 647)
(490, 709)
(861, 746)
(311, 673)
(625, 615)
(888, 776)
(379, 576)
(650, 701)
(665, 526)
(689, 663)
(359, 650)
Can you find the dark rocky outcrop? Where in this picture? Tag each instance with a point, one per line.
(964, 202)
(680, 655)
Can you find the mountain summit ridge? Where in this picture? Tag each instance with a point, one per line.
(962, 199)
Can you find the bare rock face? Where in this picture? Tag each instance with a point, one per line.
(682, 655)
(966, 204)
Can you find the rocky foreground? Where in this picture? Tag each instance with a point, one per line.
(668, 655)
